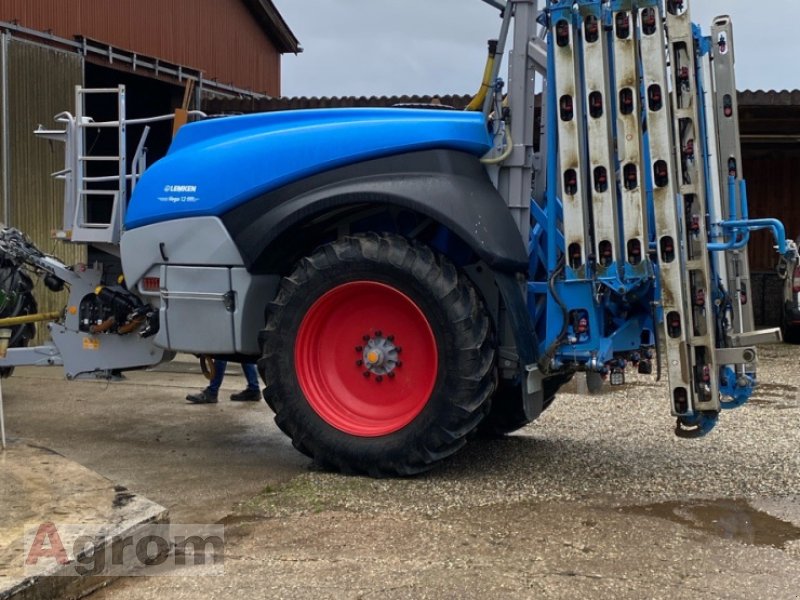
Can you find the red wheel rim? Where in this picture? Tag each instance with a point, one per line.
(346, 328)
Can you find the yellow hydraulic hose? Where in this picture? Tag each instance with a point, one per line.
(8, 322)
(12, 321)
(506, 153)
(477, 102)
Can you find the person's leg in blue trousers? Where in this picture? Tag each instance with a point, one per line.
(209, 395)
(251, 374)
(252, 393)
(219, 375)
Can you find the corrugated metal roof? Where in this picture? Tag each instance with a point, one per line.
(228, 105)
(274, 25)
(770, 118)
(747, 99)
(769, 98)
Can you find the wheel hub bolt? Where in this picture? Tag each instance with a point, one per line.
(374, 357)
(379, 356)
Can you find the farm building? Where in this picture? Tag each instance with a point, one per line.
(166, 53)
(228, 52)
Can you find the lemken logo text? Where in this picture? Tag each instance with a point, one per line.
(180, 189)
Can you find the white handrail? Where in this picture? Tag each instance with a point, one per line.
(146, 120)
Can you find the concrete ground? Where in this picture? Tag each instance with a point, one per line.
(197, 461)
(597, 499)
(39, 487)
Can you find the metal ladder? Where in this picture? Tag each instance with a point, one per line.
(80, 190)
(107, 193)
(85, 228)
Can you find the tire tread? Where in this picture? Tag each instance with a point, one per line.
(468, 389)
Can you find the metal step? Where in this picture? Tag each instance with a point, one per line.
(627, 83)
(663, 173)
(598, 107)
(571, 141)
(686, 102)
(729, 160)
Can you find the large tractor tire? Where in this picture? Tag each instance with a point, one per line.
(790, 331)
(507, 414)
(16, 299)
(377, 356)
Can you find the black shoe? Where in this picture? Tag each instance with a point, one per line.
(247, 395)
(204, 397)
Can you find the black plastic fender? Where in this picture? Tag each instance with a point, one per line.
(450, 187)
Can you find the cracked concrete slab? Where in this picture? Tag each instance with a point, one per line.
(38, 486)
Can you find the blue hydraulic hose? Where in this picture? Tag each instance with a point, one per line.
(744, 201)
(777, 228)
(732, 212)
(552, 179)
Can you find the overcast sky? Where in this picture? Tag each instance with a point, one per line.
(387, 47)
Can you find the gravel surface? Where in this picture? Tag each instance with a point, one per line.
(597, 499)
(618, 444)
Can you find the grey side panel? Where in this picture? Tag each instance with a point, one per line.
(213, 310)
(253, 293)
(191, 241)
(197, 309)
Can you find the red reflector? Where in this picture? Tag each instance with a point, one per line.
(151, 284)
(796, 281)
(700, 298)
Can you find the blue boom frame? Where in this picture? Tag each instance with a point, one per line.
(599, 322)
